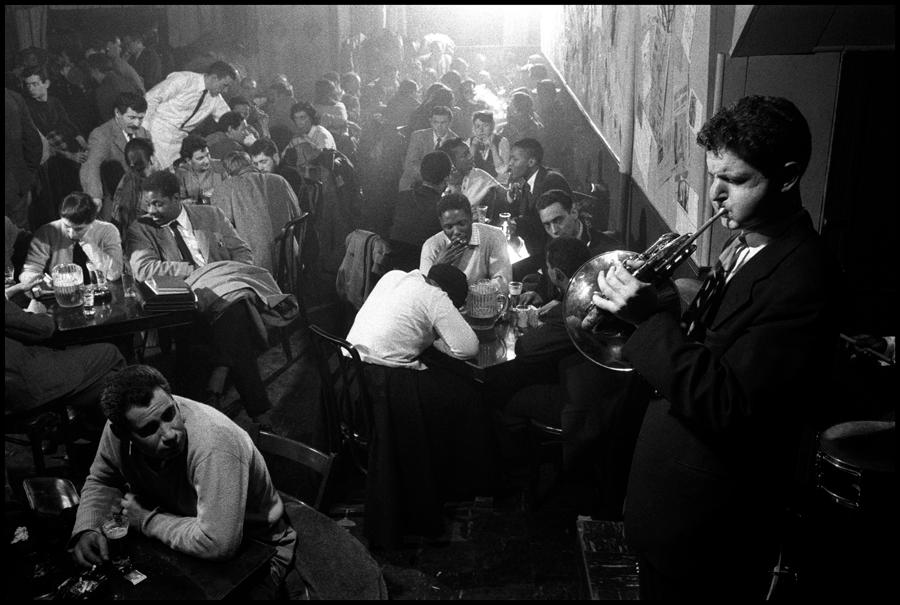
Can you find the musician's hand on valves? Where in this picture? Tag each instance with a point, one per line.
(625, 296)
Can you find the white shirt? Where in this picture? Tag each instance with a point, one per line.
(476, 185)
(318, 136)
(486, 256)
(187, 232)
(403, 316)
(169, 104)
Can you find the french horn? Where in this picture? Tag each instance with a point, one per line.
(600, 336)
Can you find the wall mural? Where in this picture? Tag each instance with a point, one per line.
(593, 47)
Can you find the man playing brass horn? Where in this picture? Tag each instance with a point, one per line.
(713, 467)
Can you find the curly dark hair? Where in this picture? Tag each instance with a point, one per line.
(766, 132)
(131, 387)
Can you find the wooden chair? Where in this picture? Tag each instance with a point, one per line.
(35, 423)
(289, 270)
(289, 478)
(346, 397)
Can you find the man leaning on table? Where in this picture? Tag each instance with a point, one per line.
(184, 474)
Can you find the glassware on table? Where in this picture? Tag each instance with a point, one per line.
(88, 297)
(115, 529)
(68, 282)
(102, 294)
(485, 304)
(128, 284)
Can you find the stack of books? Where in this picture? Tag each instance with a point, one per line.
(166, 293)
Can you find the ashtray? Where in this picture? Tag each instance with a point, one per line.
(50, 495)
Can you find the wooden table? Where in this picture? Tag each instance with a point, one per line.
(118, 322)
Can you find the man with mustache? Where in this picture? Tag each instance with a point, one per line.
(106, 149)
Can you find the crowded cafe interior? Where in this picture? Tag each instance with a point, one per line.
(450, 302)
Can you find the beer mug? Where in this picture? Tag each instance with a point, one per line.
(485, 304)
(68, 279)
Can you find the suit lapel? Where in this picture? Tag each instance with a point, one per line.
(739, 292)
(118, 137)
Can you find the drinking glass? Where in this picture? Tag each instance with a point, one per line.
(115, 528)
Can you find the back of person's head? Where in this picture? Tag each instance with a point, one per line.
(230, 119)
(567, 254)
(78, 208)
(441, 110)
(333, 76)
(442, 96)
(131, 100)
(483, 116)
(131, 387)
(306, 108)
(435, 167)
(408, 87)
(239, 100)
(450, 145)
(452, 281)
(522, 102)
(191, 144)
(554, 196)
(35, 70)
(138, 152)
(350, 82)
(454, 201)
(452, 78)
(765, 132)
(162, 182)
(221, 70)
(459, 64)
(236, 161)
(100, 62)
(264, 146)
(538, 72)
(280, 89)
(325, 92)
(546, 88)
(532, 148)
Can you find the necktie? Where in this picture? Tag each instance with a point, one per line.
(196, 109)
(81, 259)
(437, 143)
(704, 306)
(186, 255)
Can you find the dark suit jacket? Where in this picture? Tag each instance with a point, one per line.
(528, 223)
(23, 147)
(154, 251)
(149, 67)
(714, 460)
(106, 143)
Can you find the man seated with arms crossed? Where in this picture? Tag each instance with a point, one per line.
(184, 474)
(559, 216)
(741, 374)
(477, 185)
(177, 239)
(478, 249)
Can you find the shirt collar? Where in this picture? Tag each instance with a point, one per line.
(183, 220)
(532, 179)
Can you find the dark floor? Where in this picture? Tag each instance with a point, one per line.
(493, 549)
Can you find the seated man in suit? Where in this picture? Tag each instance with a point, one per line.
(478, 249)
(76, 237)
(198, 174)
(266, 158)
(529, 179)
(232, 135)
(559, 217)
(177, 239)
(415, 219)
(106, 150)
(424, 141)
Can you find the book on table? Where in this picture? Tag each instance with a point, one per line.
(162, 293)
(167, 284)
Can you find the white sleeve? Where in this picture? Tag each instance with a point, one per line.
(455, 336)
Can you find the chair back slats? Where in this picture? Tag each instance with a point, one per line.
(296, 453)
(345, 394)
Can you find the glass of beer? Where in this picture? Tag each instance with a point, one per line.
(115, 528)
(67, 282)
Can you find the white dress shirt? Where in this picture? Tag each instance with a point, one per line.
(403, 316)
